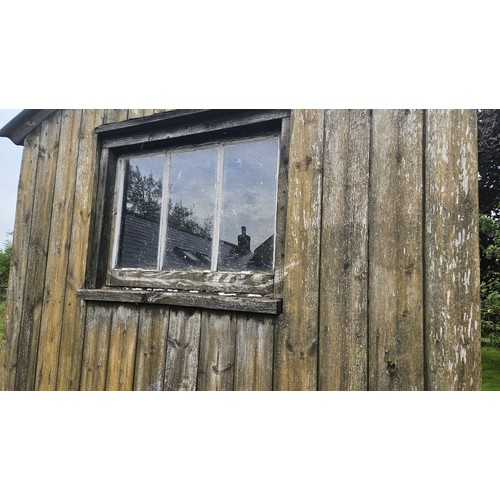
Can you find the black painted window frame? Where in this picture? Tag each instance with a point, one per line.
(170, 130)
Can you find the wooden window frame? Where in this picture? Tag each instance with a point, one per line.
(174, 130)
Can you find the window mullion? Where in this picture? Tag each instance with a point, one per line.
(218, 208)
(119, 195)
(162, 240)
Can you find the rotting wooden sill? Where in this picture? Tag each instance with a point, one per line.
(225, 302)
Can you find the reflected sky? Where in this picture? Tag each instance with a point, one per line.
(249, 190)
(192, 182)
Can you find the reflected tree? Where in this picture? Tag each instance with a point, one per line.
(143, 194)
(184, 218)
(144, 199)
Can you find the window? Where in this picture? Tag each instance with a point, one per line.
(195, 201)
(210, 207)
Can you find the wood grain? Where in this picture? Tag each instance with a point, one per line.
(20, 251)
(297, 336)
(343, 356)
(58, 252)
(71, 339)
(37, 257)
(395, 252)
(254, 353)
(122, 348)
(183, 350)
(151, 348)
(452, 317)
(96, 347)
(217, 350)
(259, 305)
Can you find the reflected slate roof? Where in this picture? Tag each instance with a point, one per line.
(140, 244)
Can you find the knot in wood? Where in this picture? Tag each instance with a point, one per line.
(391, 366)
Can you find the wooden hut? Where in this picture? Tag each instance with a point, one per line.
(269, 250)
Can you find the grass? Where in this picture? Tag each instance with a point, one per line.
(491, 368)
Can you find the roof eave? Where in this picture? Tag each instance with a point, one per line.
(23, 123)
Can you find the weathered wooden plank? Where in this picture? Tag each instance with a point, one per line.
(259, 305)
(254, 353)
(282, 203)
(395, 292)
(96, 347)
(135, 113)
(122, 348)
(151, 348)
(115, 115)
(183, 350)
(212, 124)
(71, 340)
(43, 195)
(58, 252)
(452, 318)
(101, 203)
(217, 350)
(297, 335)
(20, 251)
(216, 281)
(343, 344)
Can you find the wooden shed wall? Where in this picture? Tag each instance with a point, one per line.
(380, 274)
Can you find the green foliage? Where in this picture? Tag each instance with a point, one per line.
(490, 309)
(5, 258)
(489, 228)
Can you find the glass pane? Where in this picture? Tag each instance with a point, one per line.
(141, 212)
(249, 205)
(191, 208)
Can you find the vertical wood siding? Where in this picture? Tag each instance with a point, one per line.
(452, 315)
(38, 250)
(296, 357)
(379, 277)
(18, 280)
(343, 328)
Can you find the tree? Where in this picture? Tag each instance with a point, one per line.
(488, 121)
(144, 199)
(5, 258)
(489, 220)
(181, 217)
(143, 194)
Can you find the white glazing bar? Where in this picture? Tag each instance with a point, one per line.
(218, 207)
(118, 209)
(162, 240)
(276, 200)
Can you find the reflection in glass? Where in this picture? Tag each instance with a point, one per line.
(191, 208)
(249, 205)
(141, 211)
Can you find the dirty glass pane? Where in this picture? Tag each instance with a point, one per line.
(141, 211)
(249, 205)
(191, 209)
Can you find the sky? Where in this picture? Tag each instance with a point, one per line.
(10, 166)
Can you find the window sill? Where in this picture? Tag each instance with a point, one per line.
(257, 305)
